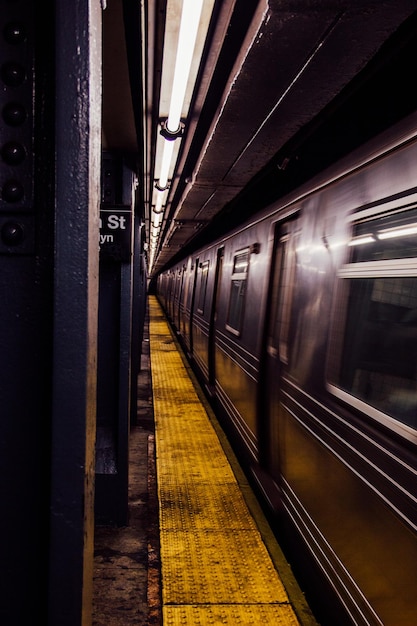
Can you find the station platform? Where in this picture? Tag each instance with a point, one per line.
(219, 560)
(198, 549)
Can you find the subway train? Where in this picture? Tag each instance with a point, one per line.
(301, 324)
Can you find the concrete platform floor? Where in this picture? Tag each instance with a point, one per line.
(126, 561)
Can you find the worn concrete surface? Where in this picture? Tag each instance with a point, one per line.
(126, 562)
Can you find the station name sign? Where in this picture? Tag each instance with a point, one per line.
(116, 233)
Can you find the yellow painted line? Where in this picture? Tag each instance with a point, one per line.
(216, 568)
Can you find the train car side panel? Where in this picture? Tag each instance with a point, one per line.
(327, 476)
(238, 331)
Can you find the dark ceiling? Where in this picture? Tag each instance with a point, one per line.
(285, 88)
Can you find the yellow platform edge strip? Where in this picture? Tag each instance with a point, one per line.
(220, 562)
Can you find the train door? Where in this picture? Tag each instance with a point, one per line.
(183, 301)
(191, 302)
(170, 293)
(275, 359)
(181, 298)
(177, 297)
(213, 317)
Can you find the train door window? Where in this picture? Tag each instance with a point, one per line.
(177, 284)
(202, 290)
(238, 292)
(190, 287)
(179, 295)
(282, 291)
(373, 362)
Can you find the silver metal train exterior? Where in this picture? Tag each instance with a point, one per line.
(302, 324)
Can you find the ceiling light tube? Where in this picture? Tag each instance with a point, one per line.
(165, 164)
(158, 208)
(190, 20)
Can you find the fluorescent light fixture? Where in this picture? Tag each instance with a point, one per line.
(399, 231)
(190, 21)
(186, 27)
(158, 204)
(165, 164)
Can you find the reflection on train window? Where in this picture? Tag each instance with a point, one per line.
(390, 237)
(202, 289)
(237, 292)
(378, 345)
(282, 293)
(177, 285)
(190, 278)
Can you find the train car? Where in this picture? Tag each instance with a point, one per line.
(302, 326)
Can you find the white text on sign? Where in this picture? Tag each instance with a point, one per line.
(114, 222)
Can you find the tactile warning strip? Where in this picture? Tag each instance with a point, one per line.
(258, 615)
(215, 567)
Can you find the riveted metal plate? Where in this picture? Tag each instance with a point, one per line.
(17, 225)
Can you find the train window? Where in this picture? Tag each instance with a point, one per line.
(202, 289)
(237, 292)
(282, 292)
(375, 361)
(190, 278)
(390, 237)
